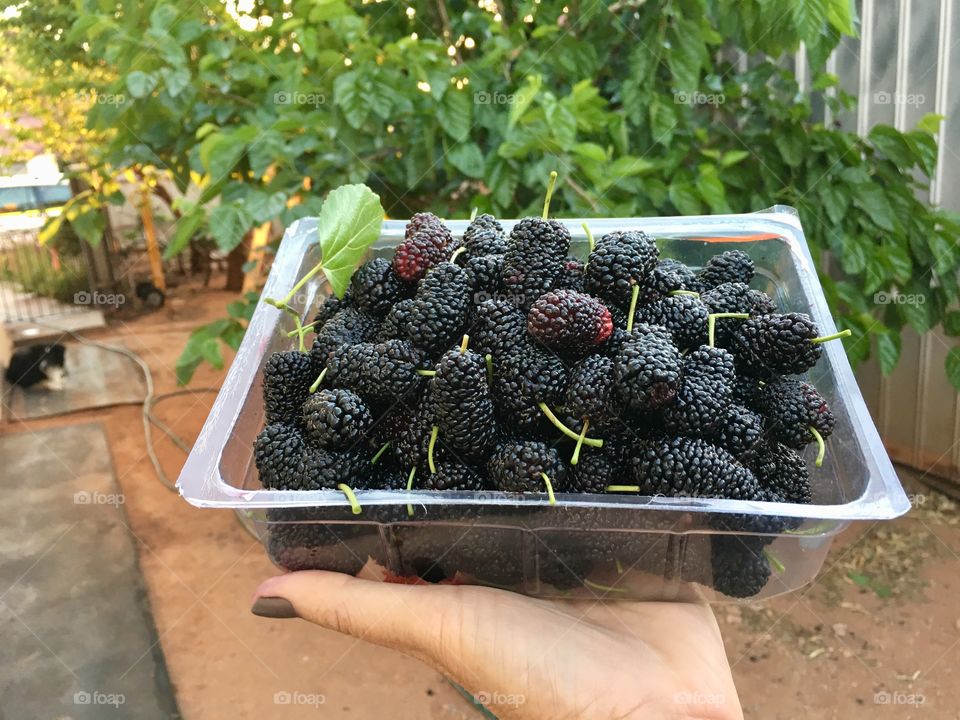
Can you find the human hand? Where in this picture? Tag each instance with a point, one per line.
(529, 658)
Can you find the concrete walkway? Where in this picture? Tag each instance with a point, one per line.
(79, 640)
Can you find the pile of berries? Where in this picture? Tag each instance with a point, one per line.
(499, 362)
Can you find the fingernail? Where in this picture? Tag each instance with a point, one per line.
(273, 607)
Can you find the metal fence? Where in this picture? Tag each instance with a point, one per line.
(37, 281)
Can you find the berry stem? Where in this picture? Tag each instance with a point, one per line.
(300, 333)
(590, 241)
(826, 338)
(603, 588)
(775, 562)
(712, 323)
(623, 488)
(304, 328)
(489, 360)
(427, 373)
(551, 184)
(634, 294)
(684, 292)
(284, 303)
(413, 471)
(473, 213)
(464, 343)
(316, 383)
(434, 431)
(817, 529)
(550, 495)
(821, 446)
(380, 452)
(583, 433)
(592, 442)
(351, 498)
(456, 253)
(619, 566)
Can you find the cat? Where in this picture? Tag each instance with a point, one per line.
(38, 364)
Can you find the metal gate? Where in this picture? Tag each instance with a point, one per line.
(38, 281)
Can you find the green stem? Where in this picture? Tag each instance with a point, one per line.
(380, 452)
(817, 529)
(316, 383)
(457, 252)
(434, 431)
(546, 481)
(551, 184)
(826, 338)
(592, 442)
(473, 213)
(413, 471)
(619, 566)
(304, 328)
(351, 498)
(634, 294)
(489, 360)
(623, 488)
(775, 562)
(821, 446)
(293, 291)
(712, 323)
(464, 343)
(684, 292)
(590, 240)
(583, 433)
(603, 588)
(427, 373)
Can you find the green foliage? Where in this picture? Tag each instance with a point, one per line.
(639, 106)
(204, 343)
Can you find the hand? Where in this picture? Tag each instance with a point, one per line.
(531, 658)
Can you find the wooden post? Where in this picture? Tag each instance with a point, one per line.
(150, 234)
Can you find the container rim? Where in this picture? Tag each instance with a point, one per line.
(201, 483)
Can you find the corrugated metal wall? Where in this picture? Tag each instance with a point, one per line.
(900, 68)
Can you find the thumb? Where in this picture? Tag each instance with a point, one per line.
(408, 618)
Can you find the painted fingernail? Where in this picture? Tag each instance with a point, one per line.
(273, 607)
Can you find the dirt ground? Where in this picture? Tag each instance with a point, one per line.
(877, 635)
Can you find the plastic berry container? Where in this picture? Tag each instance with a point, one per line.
(611, 546)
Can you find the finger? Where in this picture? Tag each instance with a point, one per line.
(405, 617)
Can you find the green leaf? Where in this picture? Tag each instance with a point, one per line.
(348, 96)
(791, 146)
(840, 15)
(684, 198)
(348, 225)
(687, 54)
(468, 159)
(524, 98)
(711, 189)
(809, 16)
(175, 80)
(455, 113)
(930, 123)
(733, 157)
(141, 84)
(262, 206)
(888, 351)
(871, 198)
(90, 225)
(228, 224)
(663, 121)
(185, 229)
(951, 323)
(589, 151)
(221, 151)
(953, 367)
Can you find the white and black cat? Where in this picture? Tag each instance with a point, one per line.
(38, 364)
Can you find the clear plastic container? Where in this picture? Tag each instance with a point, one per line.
(592, 546)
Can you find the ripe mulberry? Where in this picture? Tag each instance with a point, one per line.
(569, 322)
